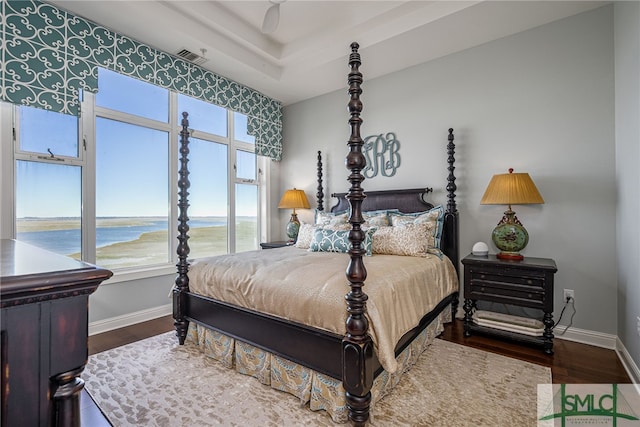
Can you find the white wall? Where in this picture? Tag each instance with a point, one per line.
(541, 101)
(627, 122)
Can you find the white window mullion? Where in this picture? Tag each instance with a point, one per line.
(87, 139)
(7, 173)
(174, 146)
(231, 213)
(264, 201)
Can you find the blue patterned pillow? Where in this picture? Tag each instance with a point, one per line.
(325, 240)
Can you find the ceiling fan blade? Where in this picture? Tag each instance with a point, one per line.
(271, 19)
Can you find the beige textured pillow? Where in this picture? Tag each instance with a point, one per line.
(408, 240)
(328, 219)
(433, 219)
(377, 219)
(305, 234)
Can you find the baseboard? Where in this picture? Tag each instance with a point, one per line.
(584, 336)
(129, 319)
(629, 364)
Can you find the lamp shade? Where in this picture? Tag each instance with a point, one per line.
(294, 199)
(511, 189)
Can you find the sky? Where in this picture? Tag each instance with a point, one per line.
(131, 161)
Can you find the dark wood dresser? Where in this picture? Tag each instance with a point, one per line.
(44, 299)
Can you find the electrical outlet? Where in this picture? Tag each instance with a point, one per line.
(568, 294)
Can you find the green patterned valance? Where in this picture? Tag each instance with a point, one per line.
(48, 55)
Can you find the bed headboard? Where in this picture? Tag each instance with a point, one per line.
(406, 201)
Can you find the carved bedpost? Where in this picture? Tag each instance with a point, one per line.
(451, 216)
(320, 193)
(182, 280)
(357, 347)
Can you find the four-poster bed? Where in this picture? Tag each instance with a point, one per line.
(271, 325)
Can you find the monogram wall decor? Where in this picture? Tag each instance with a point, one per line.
(382, 154)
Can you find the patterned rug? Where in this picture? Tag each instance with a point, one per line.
(156, 382)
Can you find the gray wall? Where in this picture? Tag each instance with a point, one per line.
(541, 101)
(627, 122)
(129, 297)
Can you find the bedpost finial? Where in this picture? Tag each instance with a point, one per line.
(354, 47)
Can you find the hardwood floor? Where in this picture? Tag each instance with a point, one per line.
(572, 363)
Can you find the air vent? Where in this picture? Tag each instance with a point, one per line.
(191, 57)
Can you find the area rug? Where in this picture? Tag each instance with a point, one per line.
(156, 382)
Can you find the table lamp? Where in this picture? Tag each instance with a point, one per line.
(293, 199)
(510, 236)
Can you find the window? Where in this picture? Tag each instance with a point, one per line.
(132, 199)
(216, 224)
(48, 133)
(131, 96)
(103, 188)
(208, 195)
(49, 206)
(48, 181)
(203, 116)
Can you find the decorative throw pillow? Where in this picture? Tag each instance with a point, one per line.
(305, 234)
(324, 219)
(407, 240)
(377, 218)
(433, 218)
(326, 240)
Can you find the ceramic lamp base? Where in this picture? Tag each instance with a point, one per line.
(293, 227)
(510, 237)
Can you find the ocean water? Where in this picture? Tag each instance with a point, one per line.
(67, 242)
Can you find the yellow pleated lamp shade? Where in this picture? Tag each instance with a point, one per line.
(294, 199)
(511, 189)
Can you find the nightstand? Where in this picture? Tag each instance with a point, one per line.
(525, 283)
(271, 245)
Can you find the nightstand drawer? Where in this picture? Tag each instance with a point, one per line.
(515, 277)
(507, 293)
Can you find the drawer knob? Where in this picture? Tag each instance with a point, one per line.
(530, 296)
(529, 282)
(481, 289)
(482, 276)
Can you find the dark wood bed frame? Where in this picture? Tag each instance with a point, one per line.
(350, 357)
